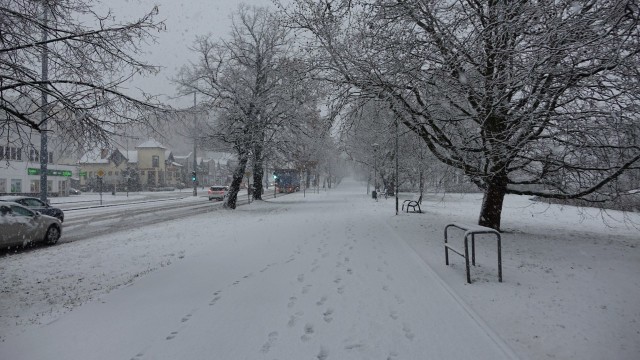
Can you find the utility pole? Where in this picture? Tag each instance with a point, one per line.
(397, 172)
(44, 153)
(195, 161)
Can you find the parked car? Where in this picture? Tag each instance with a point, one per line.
(20, 225)
(36, 205)
(217, 192)
(73, 191)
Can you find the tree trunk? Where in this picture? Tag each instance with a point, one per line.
(258, 173)
(491, 211)
(238, 175)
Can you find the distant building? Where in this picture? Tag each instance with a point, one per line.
(20, 160)
(20, 166)
(150, 165)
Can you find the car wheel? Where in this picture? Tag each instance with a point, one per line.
(52, 235)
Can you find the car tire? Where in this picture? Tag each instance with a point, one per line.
(53, 235)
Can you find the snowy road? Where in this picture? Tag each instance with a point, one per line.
(318, 277)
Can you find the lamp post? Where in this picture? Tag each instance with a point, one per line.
(375, 171)
(397, 172)
(195, 161)
(44, 152)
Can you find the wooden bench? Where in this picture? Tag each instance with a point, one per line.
(470, 231)
(413, 204)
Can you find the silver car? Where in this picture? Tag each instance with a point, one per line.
(20, 225)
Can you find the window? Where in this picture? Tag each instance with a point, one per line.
(142, 172)
(116, 173)
(10, 153)
(16, 185)
(20, 211)
(34, 155)
(3, 185)
(155, 161)
(35, 186)
(110, 173)
(33, 203)
(49, 185)
(90, 174)
(50, 157)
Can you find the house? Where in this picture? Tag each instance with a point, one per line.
(150, 165)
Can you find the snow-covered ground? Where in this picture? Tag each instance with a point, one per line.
(333, 275)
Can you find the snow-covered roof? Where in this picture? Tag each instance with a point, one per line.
(93, 157)
(131, 155)
(151, 143)
(220, 156)
(182, 157)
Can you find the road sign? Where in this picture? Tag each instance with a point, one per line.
(101, 173)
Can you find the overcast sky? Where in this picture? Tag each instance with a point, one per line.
(184, 20)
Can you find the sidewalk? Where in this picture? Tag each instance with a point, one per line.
(316, 277)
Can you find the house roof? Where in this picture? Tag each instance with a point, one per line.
(93, 157)
(131, 155)
(151, 143)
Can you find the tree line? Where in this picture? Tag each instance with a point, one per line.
(534, 98)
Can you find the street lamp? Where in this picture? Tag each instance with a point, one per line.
(195, 161)
(375, 171)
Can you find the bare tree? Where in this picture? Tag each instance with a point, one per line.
(525, 97)
(251, 84)
(47, 51)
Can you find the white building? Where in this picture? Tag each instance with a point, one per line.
(20, 166)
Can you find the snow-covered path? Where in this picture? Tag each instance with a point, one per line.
(318, 277)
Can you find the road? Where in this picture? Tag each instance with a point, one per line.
(87, 219)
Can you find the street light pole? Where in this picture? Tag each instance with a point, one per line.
(375, 169)
(44, 152)
(397, 172)
(195, 161)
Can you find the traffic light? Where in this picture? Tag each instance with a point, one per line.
(275, 176)
(193, 176)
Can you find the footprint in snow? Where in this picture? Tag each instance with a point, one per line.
(138, 356)
(308, 331)
(327, 315)
(292, 302)
(407, 331)
(173, 335)
(294, 318)
(273, 336)
(321, 301)
(186, 318)
(301, 278)
(214, 300)
(323, 354)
